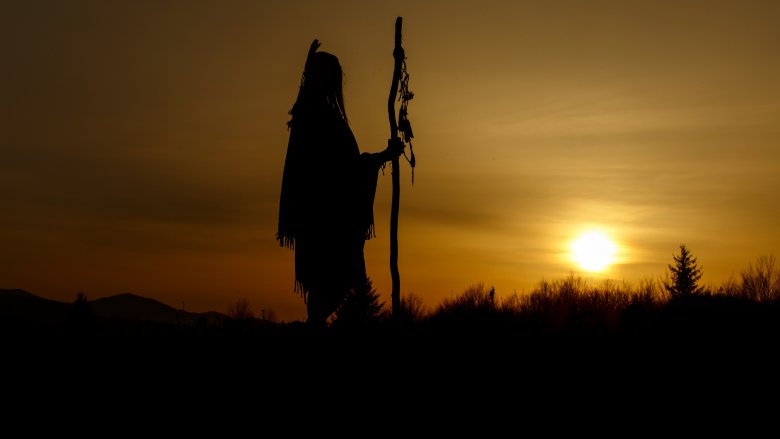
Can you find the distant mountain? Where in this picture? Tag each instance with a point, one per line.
(132, 307)
(19, 306)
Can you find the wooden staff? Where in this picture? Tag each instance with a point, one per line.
(398, 56)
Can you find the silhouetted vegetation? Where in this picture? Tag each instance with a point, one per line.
(761, 281)
(684, 275)
(412, 310)
(673, 309)
(361, 307)
(241, 310)
(82, 320)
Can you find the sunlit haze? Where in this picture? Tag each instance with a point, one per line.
(593, 251)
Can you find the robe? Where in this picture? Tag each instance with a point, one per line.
(326, 203)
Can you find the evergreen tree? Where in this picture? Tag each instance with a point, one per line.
(684, 275)
(361, 306)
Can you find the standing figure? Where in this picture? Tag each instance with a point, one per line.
(328, 187)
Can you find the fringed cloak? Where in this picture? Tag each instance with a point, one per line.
(326, 203)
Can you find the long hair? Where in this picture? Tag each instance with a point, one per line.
(321, 81)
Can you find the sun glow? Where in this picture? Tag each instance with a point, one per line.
(593, 251)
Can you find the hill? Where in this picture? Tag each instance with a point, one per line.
(21, 308)
(129, 306)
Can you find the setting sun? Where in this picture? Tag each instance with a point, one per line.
(593, 251)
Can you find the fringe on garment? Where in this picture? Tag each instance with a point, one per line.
(289, 242)
(286, 241)
(303, 292)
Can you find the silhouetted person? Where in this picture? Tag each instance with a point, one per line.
(328, 188)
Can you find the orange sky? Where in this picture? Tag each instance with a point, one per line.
(143, 142)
